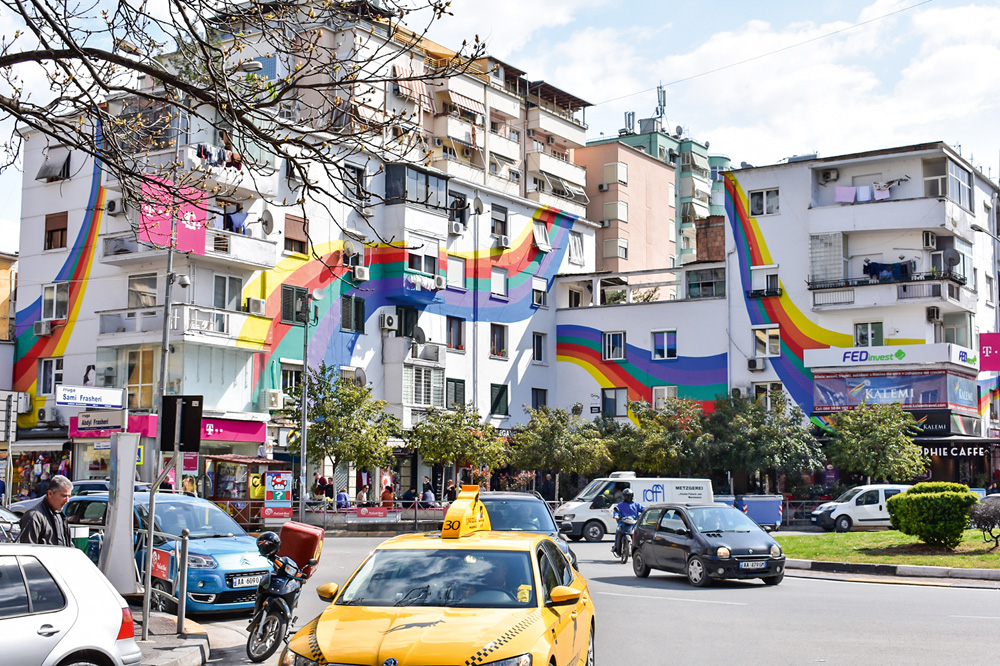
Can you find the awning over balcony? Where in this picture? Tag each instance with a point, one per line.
(557, 184)
(467, 103)
(414, 89)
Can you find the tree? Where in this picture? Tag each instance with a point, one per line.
(876, 441)
(458, 435)
(129, 83)
(346, 424)
(559, 440)
(664, 434)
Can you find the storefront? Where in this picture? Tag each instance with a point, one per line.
(33, 462)
(92, 447)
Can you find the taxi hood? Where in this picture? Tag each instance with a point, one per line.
(417, 636)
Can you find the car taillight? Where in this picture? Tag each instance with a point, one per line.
(127, 630)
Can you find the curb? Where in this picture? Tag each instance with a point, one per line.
(193, 651)
(903, 570)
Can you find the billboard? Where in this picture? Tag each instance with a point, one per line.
(912, 390)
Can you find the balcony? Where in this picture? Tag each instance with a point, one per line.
(189, 323)
(764, 293)
(406, 350)
(544, 163)
(459, 168)
(951, 276)
(124, 248)
(949, 296)
(562, 203)
(561, 125)
(454, 127)
(501, 145)
(225, 247)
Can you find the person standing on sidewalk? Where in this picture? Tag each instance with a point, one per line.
(45, 523)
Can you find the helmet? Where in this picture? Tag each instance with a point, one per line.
(626, 495)
(268, 543)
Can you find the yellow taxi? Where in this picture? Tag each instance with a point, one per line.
(466, 596)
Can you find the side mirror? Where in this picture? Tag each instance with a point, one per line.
(563, 594)
(566, 528)
(313, 562)
(327, 591)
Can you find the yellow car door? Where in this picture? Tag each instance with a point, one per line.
(568, 623)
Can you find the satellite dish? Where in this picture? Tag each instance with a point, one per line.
(360, 378)
(477, 206)
(678, 130)
(267, 222)
(419, 336)
(707, 144)
(349, 248)
(952, 257)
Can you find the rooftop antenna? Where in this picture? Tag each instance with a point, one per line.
(630, 122)
(661, 101)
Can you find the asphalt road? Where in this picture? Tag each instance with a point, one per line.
(663, 620)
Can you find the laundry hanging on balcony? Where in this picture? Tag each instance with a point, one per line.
(899, 271)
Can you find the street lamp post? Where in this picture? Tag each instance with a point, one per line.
(304, 307)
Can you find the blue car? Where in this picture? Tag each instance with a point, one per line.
(224, 566)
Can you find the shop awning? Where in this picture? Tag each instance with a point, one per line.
(243, 460)
(467, 103)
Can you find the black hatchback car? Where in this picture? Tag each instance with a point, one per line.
(704, 542)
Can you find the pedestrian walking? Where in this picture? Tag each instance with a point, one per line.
(45, 523)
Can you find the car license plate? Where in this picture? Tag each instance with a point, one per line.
(753, 565)
(246, 581)
(812, 518)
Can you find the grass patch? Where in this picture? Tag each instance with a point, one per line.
(890, 547)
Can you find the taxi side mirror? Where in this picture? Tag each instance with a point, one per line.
(327, 591)
(564, 594)
(565, 528)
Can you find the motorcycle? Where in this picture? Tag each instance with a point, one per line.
(277, 595)
(626, 526)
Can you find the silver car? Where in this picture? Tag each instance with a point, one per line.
(56, 607)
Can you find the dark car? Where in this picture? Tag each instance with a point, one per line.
(705, 542)
(524, 512)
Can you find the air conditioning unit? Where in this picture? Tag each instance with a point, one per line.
(456, 228)
(934, 314)
(603, 187)
(388, 321)
(503, 241)
(368, 211)
(531, 132)
(829, 175)
(466, 152)
(272, 399)
(440, 282)
(256, 306)
(604, 223)
(756, 364)
(551, 140)
(360, 273)
(438, 141)
(114, 206)
(930, 240)
(42, 328)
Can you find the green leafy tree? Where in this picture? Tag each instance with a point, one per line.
(458, 435)
(876, 441)
(345, 423)
(664, 434)
(559, 440)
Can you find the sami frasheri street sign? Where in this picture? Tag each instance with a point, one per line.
(90, 396)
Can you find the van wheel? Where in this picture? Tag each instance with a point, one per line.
(843, 523)
(593, 531)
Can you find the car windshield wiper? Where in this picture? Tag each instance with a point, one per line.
(414, 595)
(214, 536)
(356, 601)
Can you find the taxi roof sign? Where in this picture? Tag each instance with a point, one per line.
(467, 515)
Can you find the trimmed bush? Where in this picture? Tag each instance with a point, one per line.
(985, 517)
(934, 512)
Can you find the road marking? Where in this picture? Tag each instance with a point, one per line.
(898, 582)
(697, 601)
(975, 617)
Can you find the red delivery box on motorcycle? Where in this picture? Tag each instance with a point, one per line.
(301, 543)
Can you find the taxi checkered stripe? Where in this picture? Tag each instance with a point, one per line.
(505, 637)
(314, 652)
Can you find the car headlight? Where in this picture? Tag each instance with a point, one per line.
(201, 561)
(520, 660)
(289, 658)
(775, 550)
(566, 516)
(722, 552)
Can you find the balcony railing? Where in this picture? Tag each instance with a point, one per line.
(957, 278)
(764, 293)
(925, 290)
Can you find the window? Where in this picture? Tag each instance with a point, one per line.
(296, 234)
(575, 298)
(762, 392)
(454, 393)
(616, 172)
(458, 208)
(13, 594)
(538, 347)
(55, 230)
(449, 153)
(55, 300)
(456, 272)
(956, 328)
(616, 210)
(541, 236)
(44, 593)
(660, 395)
(576, 248)
(539, 398)
(56, 165)
(456, 333)
(498, 282)
(227, 293)
(664, 345)
(498, 399)
(422, 255)
(868, 334)
(422, 386)
(537, 184)
(498, 340)
(650, 518)
(498, 215)
(989, 290)
(707, 283)
(405, 184)
(291, 379)
(539, 292)
(614, 402)
(355, 183)
(613, 346)
(764, 202)
(50, 374)
(352, 314)
(867, 498)
(292, 300)
(142, 291)
(616, 248)
(767, 342)
(139, 382)
(959, 185)
(514, 135)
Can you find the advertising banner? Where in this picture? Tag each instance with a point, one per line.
(159, 205)
(989, 351)
(912, 390)
(278, 494)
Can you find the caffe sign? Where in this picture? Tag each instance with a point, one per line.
(954, 451)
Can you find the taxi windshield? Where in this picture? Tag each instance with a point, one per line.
(461, 578)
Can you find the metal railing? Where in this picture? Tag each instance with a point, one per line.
(888, 279)
(179, 581)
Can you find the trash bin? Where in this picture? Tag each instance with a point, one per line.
(765, 510)
(728, 500)
(80, 536)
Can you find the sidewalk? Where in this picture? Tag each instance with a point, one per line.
(165, 647)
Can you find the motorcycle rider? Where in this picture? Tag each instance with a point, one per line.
(624, 509)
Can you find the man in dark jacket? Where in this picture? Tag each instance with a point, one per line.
(45, 522)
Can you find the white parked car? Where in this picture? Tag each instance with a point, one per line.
(56, 607)
(861, 506)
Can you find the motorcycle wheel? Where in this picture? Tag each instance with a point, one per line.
(265, 637)
(626, 547)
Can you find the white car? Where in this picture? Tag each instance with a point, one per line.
(861, 506)
(56, 607)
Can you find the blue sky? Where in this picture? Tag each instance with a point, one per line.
(913, 71)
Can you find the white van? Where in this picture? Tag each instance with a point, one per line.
(590, 511)
(862, 506)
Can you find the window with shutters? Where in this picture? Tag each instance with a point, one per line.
(616, 172)
(539, 292)
(454, 393)
(352, 314)
(499, 220)
(539, 398)
(296, 234)
(422, 255)
(56, 226)
(540, 234)
(456, 272)
(292, 299)
(423, 387)
(498, 340)
(498, 282)
(498, 400)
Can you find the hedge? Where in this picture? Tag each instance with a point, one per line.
(934, 512)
